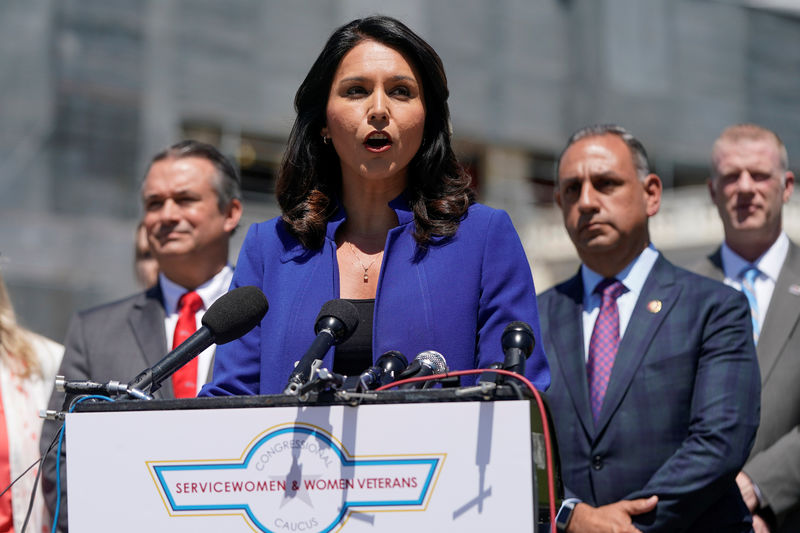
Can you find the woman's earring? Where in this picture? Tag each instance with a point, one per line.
(326, 139)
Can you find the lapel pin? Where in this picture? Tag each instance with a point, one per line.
(654, 306)
(794, 289)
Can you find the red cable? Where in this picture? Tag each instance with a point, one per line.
(551, 490)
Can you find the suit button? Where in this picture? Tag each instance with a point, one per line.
(597, 462)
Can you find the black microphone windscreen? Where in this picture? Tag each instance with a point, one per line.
(519, 325)
(235, 313)
(392, 360)
(518, 334)
(345, 311)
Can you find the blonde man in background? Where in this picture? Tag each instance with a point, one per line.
(750, 183)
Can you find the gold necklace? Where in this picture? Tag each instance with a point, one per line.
(366, 268)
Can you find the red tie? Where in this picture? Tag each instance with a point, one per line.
(184, 381)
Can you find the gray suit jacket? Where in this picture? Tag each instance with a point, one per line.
(112, 341)
(774, 463)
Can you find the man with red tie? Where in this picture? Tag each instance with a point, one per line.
(655, 389)
(191, 202)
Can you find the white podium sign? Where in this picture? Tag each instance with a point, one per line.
(464, 466)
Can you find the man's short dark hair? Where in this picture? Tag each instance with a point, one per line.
(638, 153)
(228, 185)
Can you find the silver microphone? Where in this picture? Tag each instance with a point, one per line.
(426, 363)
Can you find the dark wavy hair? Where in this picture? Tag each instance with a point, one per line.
(310, 175)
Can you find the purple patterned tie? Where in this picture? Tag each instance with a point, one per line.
(604, 342)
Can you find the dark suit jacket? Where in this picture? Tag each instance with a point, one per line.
(681, 409)
(774, 463)
(113, 341)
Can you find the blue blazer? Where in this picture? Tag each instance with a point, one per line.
(682, 405)
(456, 299)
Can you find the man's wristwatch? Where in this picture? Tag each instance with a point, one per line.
(565, 513)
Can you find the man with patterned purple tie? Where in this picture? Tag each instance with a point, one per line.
(750, 182)
(655, 389)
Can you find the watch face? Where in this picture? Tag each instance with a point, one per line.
(564, 514)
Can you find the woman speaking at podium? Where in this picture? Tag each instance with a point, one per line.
(377, 210)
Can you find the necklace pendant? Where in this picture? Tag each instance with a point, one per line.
(366, 277)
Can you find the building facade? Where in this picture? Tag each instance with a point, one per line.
(90, 89)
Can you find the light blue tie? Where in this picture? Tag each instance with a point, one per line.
(749, 276)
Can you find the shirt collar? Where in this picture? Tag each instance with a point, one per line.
(208, 291)
(769, 263)
(632, 276)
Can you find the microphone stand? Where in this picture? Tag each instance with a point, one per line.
(110, 388)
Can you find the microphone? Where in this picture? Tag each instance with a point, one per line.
(426, 363)
(231, 316)
(517, 341)
(336, 321)
(386, 369)
(73, 386)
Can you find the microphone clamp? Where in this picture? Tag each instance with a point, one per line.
(294, 385)
(324, 379)
(51, 414)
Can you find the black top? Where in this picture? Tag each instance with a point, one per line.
(354, 355)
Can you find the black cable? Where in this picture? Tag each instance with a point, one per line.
(43, 461)
(516, 388)
(20, 477)
(32, 499)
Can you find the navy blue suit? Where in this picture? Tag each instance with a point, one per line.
(456, 298)
(682, 405)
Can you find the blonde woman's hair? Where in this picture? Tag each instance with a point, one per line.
(15, 348)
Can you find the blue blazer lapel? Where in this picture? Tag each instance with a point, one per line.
(565, 319)
(657, 299)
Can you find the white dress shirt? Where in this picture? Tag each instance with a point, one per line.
(632, 276)
(209, 292)
(769, 266)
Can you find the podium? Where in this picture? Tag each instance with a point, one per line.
(430, 460)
